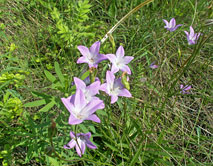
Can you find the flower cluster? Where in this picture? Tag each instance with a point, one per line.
(192, 37)
(84, 103)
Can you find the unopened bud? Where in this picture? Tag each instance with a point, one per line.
(52, 130)
(93, 73)
(124, 80)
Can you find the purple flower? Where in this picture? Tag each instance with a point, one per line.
(89, 91)
(119, 62)
(114, 88)
(153, 66)
(91, 56)
(80, 110)
(87, 80)
(80, 142)
(185, 89)
(171, 26)
(192, 37)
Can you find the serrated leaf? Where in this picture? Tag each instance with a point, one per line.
(35, 103)
(59, 73)
(49, 76)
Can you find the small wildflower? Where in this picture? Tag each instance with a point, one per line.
(192, 37)
(92, 55)
(89, 91)
(185, 89)
(153, 66)
(80, 110)
(171, 26)
(114, 88)
(119, 61)
(80, 141)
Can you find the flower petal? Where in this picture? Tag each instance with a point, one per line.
(172, 22)
(126, 68)
(120, 52)
(187, 33)
(67, 103)
(125, 92)
(127, 59)
(82, 59)
(83, 147)
(94, 118)
(110, 77)
(166, 22)
(191, 32)
(93, 89)
(73, 120)
(71, 144)
(114, 69)
(100, 58)
(78, 149)
(113, 99)
(94, 49)
(84, 50)
(93, 106)
(90, 145)
(187, 87)
(103, 87)
(72, 134)
(79, 84)
(112, 58)
(80, 100)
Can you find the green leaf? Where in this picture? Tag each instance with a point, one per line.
(85, 75)
(111, 147)
(53, 162)
(48, 106)
(59, 73)
(35, 103)
(135, 158)
(49, 76)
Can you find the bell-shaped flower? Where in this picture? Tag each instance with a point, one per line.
(80, 110)
(89, 91)
(171, 25)
(192, 37)
(185, 89)
(80, 141)
(119, 61)
(91, 55)
(114, 88)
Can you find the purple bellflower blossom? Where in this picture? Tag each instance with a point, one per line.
(192, 37)
(114, 88)
(80, 110)
(91, 55)
(171, 26)
(153, 66)
(80, 141)
(119, 61)
(89, 91)
(185, 89)
(87, 80)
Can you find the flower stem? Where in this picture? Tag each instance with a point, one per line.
(124, 18)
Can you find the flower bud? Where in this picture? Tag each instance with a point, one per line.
(52, 130)
(124, 80)
(93, 73)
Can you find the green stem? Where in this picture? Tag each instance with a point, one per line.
(124, 18)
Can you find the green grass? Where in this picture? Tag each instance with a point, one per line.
(157, 126)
